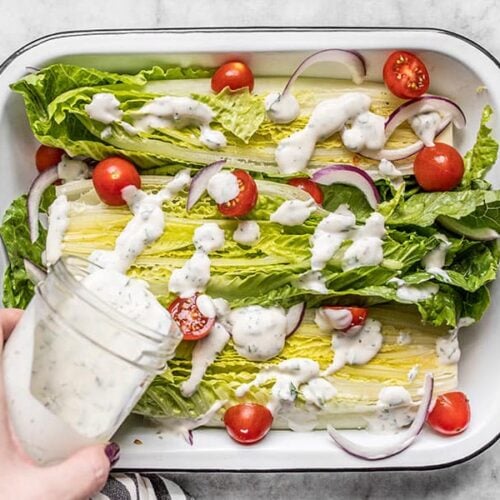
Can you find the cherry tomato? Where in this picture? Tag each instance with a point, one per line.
(111, 175)
(438, 168)
(235, 75)
(188, 317)
(405, 75)
(308, 186)
(451, 413)
(358, 314)
(47, 157)
(246, 199)
(248, 423)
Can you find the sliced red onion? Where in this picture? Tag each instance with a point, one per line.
(294, 318)
(35, 273)
(405, 439)
(396, 154)
(200, 182)
(352, 176)
(424, 104)
(349, 58)
(35, 193)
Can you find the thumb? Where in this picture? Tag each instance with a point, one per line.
(81, 475)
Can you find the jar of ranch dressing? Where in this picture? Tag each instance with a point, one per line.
(84, 352)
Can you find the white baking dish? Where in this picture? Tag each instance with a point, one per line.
(459, 69)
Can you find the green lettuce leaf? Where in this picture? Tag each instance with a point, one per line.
(17, 287)
(479, 160)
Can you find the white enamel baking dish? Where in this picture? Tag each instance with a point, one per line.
(459, 69)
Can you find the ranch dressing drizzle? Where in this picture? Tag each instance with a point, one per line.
(366, 131)
(223, 187)
(192, 277)
(145, 227)
(314, 281)
(357, 349)
(413, 372)
(416, 293)
(58, 224)
(327, 118)
(247, 233)
(434, 261)
(281, 108)
(208, 237)
(387, 170)
(183, 427)
(293, 212)
(71, 170)
(104, 108)
(448, 348)
(426, 126)
(204, 353)
(258, 332)
(289, 376)
(180, 112)
(394, 410)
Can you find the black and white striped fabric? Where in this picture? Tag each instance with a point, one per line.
(141, 487)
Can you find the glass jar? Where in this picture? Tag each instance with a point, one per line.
(75, 366)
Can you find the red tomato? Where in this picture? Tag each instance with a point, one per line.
(451, 413)
(358, 314)
(248, 423)
(308, 186)
(47, 157)
(246, 199)
(405, 75)
(438, 168)
(111, 175)
(188, 317)
(235, 75)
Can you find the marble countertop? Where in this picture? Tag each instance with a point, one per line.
(24, 20)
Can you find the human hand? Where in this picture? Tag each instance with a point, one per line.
(78, 477)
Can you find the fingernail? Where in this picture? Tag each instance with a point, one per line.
(112, 451)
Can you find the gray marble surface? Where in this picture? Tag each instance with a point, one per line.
(23, 20)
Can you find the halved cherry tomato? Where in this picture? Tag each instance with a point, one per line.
(248, 423)
(308, 186)
(47, 157)
(405, 75)
(188, 317)
(450, 414)
(235, 75)
(438, 168)
(246, 199)
(358, 314)
(111, 175)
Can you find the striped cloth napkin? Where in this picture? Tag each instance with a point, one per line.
(141, 487)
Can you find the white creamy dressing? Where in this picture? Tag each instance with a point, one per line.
(413, 372)
(258, 332)
(404, 338)
(281, 108)
(434, 261)
(145, 227)
(247, 233)
(180, 112)
(387, 170)
(223, 187)
(192, 277)
(328, 320)
(183, 427)
(318, 391)
(71, 170)
(366, 131)
(357, 349)
(447, 347)
(366, 249)
(206, 306)
(204, 353)
(329, 235)
(290, 375)
(327, 118)
(394, 410)
(293, 212)
(416, 293)
(426, 126)
(58, 224)
(208, 237)
(313, 281)
(104, 108)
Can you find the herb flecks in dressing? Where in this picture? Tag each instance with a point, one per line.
(426, 126)
(293, 212)
(208, 237)
(223, 187)
(394, 410)
(247, 233)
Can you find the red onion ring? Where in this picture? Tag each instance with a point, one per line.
(294, 318)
